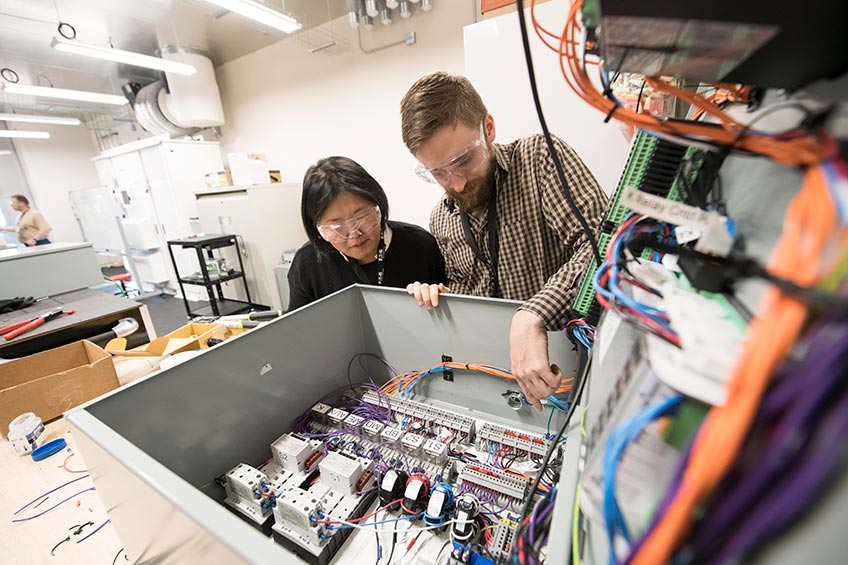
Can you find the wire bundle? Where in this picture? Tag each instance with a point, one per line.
(581, 332)
(404, 384)
(809, 226)
(795, 147)
(608, 278)
(533, 537)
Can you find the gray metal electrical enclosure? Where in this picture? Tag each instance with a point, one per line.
(154, 447)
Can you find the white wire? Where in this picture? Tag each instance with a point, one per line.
(369, 528)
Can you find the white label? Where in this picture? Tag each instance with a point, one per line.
(665, 210)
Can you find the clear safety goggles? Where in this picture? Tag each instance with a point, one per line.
(463, 164)
(361, 224)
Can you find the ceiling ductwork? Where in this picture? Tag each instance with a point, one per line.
(186, 104)
(363, 12)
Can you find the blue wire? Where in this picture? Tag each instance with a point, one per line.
(617, 443)
(341, 526)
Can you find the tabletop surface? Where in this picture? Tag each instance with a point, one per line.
(13, 253)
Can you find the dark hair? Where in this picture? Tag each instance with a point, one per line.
(437, 100)
(21, 198)
(328, 179)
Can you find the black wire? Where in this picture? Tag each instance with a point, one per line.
(377, 536)
(590, 235)
(394, 543)
(639, 99)
(115, 560)
(582, 374)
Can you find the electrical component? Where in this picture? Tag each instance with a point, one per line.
(430, 415)
(337, 416)
(291, 453)
(341, 473)
(494, 480)
(299, 510)
(373, 428)
(353, 421)
(440, 504)
(412, 443)
(319, 412)
(392, 487)
(391, 434)
(501, 547)
(464, 525)
(520, 441)
(435, 450)
(249, 494)
(416, 493)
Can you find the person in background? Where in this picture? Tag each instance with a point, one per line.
(503, 226)
(32, 228)
(345, 213)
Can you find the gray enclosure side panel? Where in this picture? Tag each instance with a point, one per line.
(469, 329)
(226, 406)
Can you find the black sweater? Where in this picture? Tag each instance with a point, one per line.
(413, 255)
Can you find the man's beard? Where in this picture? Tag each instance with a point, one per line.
(476, 192)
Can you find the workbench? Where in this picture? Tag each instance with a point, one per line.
(31, 541)
(47, 270)
(94, 312)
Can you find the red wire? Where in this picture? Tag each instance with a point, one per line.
(64, 465)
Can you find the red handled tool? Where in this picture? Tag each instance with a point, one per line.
(14, 330)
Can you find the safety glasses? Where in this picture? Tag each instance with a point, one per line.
(463, 164)
(361, 224)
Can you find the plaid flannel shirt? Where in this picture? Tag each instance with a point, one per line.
(543, 253)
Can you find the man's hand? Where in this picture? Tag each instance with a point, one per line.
(426, 294)
(528, 351)
(31, 243)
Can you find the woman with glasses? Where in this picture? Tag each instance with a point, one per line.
(345, 214)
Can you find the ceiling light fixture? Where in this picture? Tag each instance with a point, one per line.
(64, 94)
(259, 13)
(23, 134)
(56, 120)
(120, 56)
(5, 152)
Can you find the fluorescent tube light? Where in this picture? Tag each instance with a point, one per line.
(125, 57)
(23, 134)
(259, 13)
(5, 152)
(64, 93)
(57, 120)
(132, 146)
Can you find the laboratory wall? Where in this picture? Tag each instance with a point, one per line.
(297, 107)
(53, 167)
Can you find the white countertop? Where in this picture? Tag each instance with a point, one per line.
(21, 252)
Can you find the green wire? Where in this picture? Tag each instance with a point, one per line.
(575, 528)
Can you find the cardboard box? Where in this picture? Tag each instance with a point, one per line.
(53, 381)
(186, 338)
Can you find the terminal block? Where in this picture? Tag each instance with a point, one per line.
(320, 411)
(373, 428)
(391, 434)
(431, 416)
(520, 441)
(436, 451)
(336, 416)
(504, 537)
(292, 453)
(249, 494)
(353, 421)
(300, 510)
(412, 443)
(494, 480)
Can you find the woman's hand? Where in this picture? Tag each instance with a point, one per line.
(426, 294)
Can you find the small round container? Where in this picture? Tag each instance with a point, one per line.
(26, 432)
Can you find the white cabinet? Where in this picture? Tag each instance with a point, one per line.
(156, 185)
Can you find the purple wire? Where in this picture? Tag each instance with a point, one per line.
(792, 494)
(19, 510)
(817, 373)
(94, 532)
(54, 506)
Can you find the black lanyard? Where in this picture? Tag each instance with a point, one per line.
(381, 269)
(492, 220)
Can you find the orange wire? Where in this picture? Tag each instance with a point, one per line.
(807, 226)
